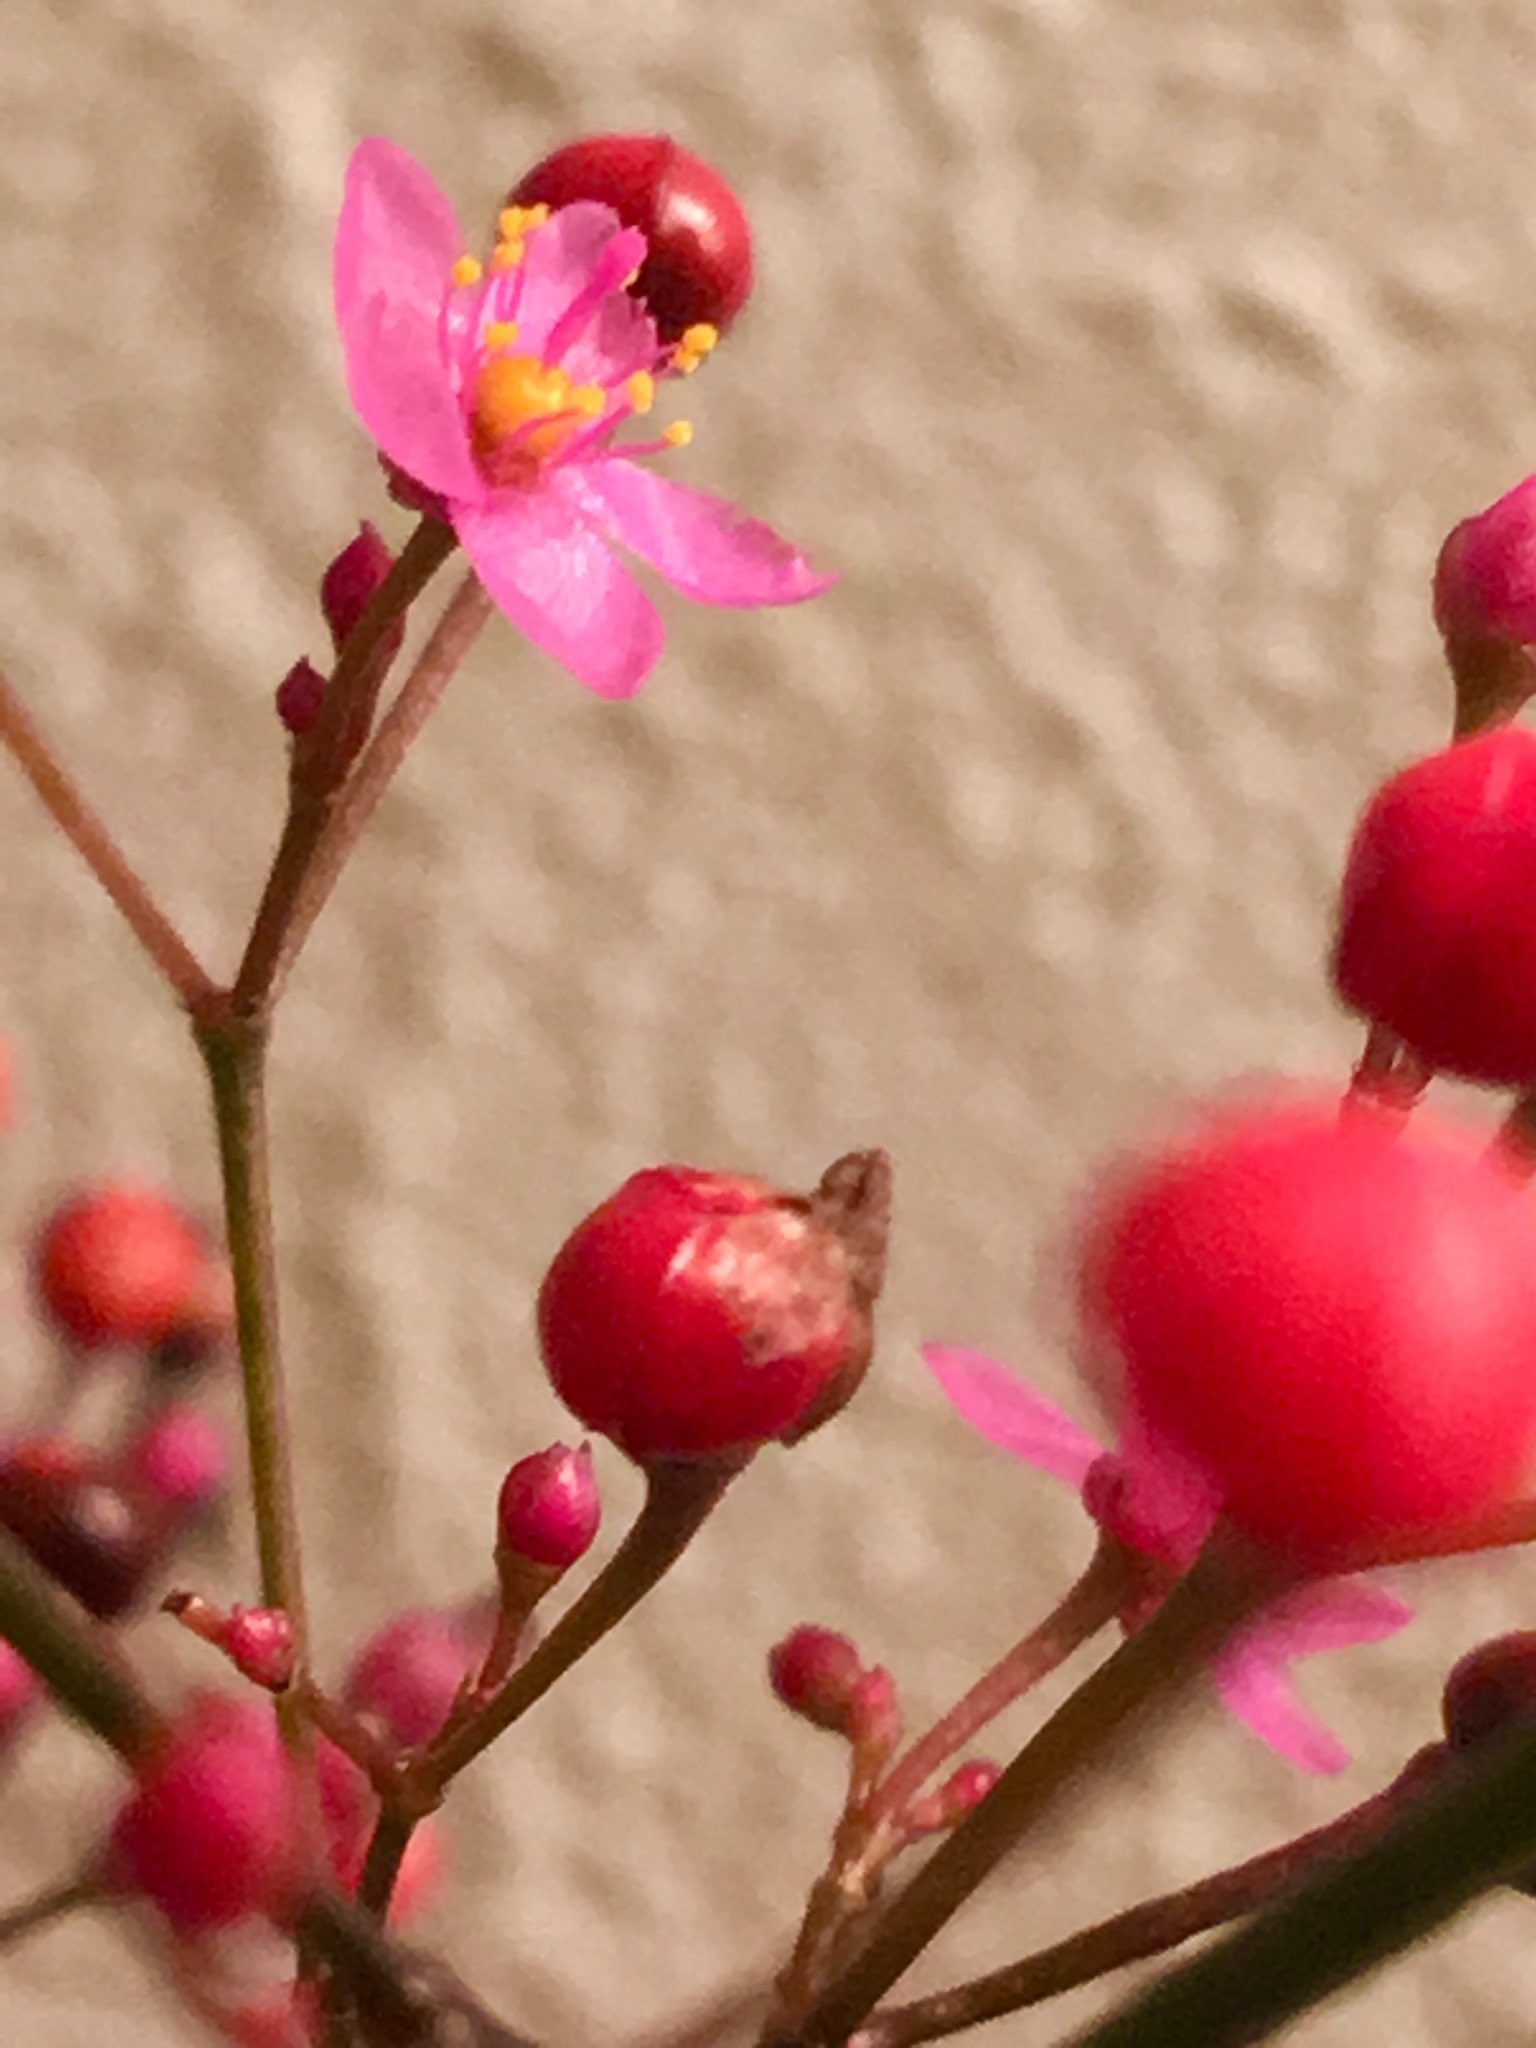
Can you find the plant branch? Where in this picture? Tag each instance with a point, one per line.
(1148, 1929)
(323, 830)
(1463, 1835)
(680, 1496)
(52, 1903)
(76, 1659)
(1223, 1586)
(235, 1053)
(89, 836)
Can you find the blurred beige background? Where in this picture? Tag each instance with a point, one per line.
(1130, 360)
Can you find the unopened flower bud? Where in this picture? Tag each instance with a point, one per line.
(959, 1794)
(410, 1671)
(1485, 606)
(258, 1641)
(299, 697)
(351, 581)
(703, 1314)
(549, 1510)
(815, 1672)
(698, 270)
(180, 1459)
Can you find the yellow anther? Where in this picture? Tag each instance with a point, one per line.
(468, 270)
(699, 339)
(641, 391)
(588, 399)
(678, 434)
(513, 222)
(685, 364)
(506, 256)
(501, 334)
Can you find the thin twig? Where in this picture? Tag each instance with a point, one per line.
(112, 868)
(48, 1905)
(1148, 1929)
(322, 831)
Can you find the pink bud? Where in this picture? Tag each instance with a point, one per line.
(209, 1832)
(1485, 578)
(816, 1672)
(259, 1643)
(351, 581)
(874, 1713)
(299, 697)
(179, 1458)
(960, 1793)
(408, 1673)
(549, 1510)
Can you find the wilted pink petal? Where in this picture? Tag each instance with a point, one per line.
(1334, 1614)
(1010, 1412)
(1262, 1695)
(701, 544)
(560, 582)
(395, 247)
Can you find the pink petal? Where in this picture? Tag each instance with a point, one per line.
(396, 243)
(1011, 1412)
(1333, 1615)
(559, 581)
(701, 544)
(1262, 1696)
(577, 248)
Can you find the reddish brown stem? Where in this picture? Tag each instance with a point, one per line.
(89, 836)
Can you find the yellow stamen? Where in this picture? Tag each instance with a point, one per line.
(501, 334)
(699, 339)
(588, 399)
(468, 270)
(678, 434)
(529, 404)
(685, 364)
(506, 256)
(641, 391)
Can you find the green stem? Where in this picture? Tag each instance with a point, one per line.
(1148, 1929)
(1222, 1587)
(235, 1053)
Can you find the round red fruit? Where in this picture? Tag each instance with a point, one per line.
(1437, 924)
(119, 1265)
(1334, 1320)
(702, 1313)
(699, 267)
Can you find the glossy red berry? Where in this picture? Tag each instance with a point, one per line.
(209, 1833)
(699, 267)
(118, 1265)
(549, 1511)
(70, 1511)
(1332, 1320)
(816, 1673)
(1437, 925)
(701, 1313)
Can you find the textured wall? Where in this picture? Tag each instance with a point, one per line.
(1130, 361)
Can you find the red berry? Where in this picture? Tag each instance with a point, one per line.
(1437, 931)
(209, 1833)
(1332, 1321)
(699, 1313)
(66, 1507)
(699, 266)
(119, 1265)
(548, 1511)
(816, 1673)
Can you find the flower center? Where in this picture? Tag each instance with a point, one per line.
(524, 412)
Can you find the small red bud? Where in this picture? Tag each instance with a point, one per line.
(960, 1794)
(350, 583)
(699, 263)
(299, 697)
(258, 1641)
(209, 1833)
(549, 1510)
(701, 1314)
(815, 1672)
(118, 1265)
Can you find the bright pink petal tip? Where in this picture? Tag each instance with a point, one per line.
(1011, 1413)
(396, 243)
(701, 544)
(565, 588)
(1335, 1615)
(1262, 1695)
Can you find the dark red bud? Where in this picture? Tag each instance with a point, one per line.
(549, 1510)
(815, 1672)
(299, 697)
(350, 582)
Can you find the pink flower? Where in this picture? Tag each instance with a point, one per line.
(500, 391)
(1149, 1502)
